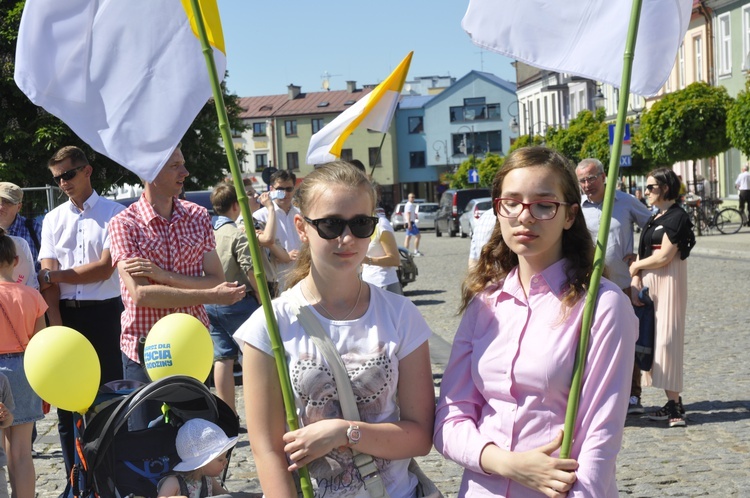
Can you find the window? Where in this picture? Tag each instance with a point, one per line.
(479, 143)
(725, 45)
(746, 36)
(681, 66)
(259, 129)
(317, 124)
(261, 161)
(290, 128)
(416, 124)
(347, 155)
(698, 62)
(475, 109)
(292, 161)
(417, 159)
(373, 155)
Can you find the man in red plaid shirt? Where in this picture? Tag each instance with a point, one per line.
(163, 248)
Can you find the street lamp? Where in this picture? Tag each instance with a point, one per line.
(599, 98)
(436, 145)
(464, 148)
(514, 126)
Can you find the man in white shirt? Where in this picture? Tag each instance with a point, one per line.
(626, 211)
(77, 279)
(743, 186)
(482, 233)
(410, 220)
(283, 182)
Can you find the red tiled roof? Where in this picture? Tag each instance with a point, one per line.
(304, 104)
(307, 103)
(261, 107)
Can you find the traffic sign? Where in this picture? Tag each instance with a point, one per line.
(626, 161)
(625, 137)
(473, 176)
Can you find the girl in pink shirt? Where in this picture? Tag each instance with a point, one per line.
(21, 316)
(505, 390)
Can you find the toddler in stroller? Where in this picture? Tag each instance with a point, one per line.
(202, 447)
(115, 462)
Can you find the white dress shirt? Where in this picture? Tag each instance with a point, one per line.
(74, 238)
(286, 234)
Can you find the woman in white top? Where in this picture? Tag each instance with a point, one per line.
(382, 257)
(381, 337)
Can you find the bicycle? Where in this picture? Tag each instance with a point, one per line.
(706, 212)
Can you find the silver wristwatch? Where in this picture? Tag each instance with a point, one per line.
(353, 434)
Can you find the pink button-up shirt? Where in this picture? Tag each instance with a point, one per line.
(509, 374)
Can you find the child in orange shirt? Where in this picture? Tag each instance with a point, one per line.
(21, 316)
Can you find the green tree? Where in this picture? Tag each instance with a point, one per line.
(29, 135)
(685, 125)
(738, 121)
(570, 141)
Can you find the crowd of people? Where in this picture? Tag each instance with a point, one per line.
(329, 257)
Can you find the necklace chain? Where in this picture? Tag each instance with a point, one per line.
(320, 303)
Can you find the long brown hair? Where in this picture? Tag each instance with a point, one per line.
(7, 249)
(336, 173)
(496, 259)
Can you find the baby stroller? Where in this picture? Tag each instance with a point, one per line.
(113, 461)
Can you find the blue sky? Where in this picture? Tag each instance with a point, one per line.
(274, 43)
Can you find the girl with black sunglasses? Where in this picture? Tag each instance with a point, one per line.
(381, 337)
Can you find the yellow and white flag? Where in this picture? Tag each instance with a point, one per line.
(374, 111)
(127, 76)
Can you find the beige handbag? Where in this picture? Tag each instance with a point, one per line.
(365, 464)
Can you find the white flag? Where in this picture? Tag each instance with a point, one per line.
(127, 76)
(583, 37)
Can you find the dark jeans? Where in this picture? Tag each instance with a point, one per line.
(100, 324)
(150, 410)
(745, 199)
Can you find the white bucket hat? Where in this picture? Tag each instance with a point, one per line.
(199, 442)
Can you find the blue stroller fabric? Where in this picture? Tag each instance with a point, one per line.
(644, 346)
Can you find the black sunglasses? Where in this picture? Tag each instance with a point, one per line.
(68, 175)
(285, 189)
(651, 187)
(362, 227)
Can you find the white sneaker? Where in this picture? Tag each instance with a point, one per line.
(417, 253)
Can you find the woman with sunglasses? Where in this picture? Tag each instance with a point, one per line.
(381, 337)
(505, 389)
(665, 244)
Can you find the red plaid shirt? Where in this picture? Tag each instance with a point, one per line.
(177, 246)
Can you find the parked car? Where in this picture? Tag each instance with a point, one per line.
(452, 206)
(407, 270)
(474, 209)
(426, 213)
(397, 217)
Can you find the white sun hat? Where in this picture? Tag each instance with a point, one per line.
(200, 442)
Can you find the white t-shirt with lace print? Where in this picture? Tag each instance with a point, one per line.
(371, 347)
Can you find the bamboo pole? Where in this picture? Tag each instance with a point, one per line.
(265, 296)
(601, 239)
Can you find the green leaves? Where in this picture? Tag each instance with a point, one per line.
(738, 121)
(686, 124)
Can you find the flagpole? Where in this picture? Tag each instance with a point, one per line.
(601, 239)
(265, 296)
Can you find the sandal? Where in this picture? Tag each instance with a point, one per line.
(676, 419)
(662, 413)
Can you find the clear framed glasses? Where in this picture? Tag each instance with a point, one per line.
(539, 210)
(362, 227)
(588, 179)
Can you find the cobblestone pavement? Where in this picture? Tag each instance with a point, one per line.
(711, 457)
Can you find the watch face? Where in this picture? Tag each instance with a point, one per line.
(353, 434)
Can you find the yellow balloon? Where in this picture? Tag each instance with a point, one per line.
(179, 344)
(63, 368)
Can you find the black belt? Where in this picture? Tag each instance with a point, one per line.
(77, 303)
